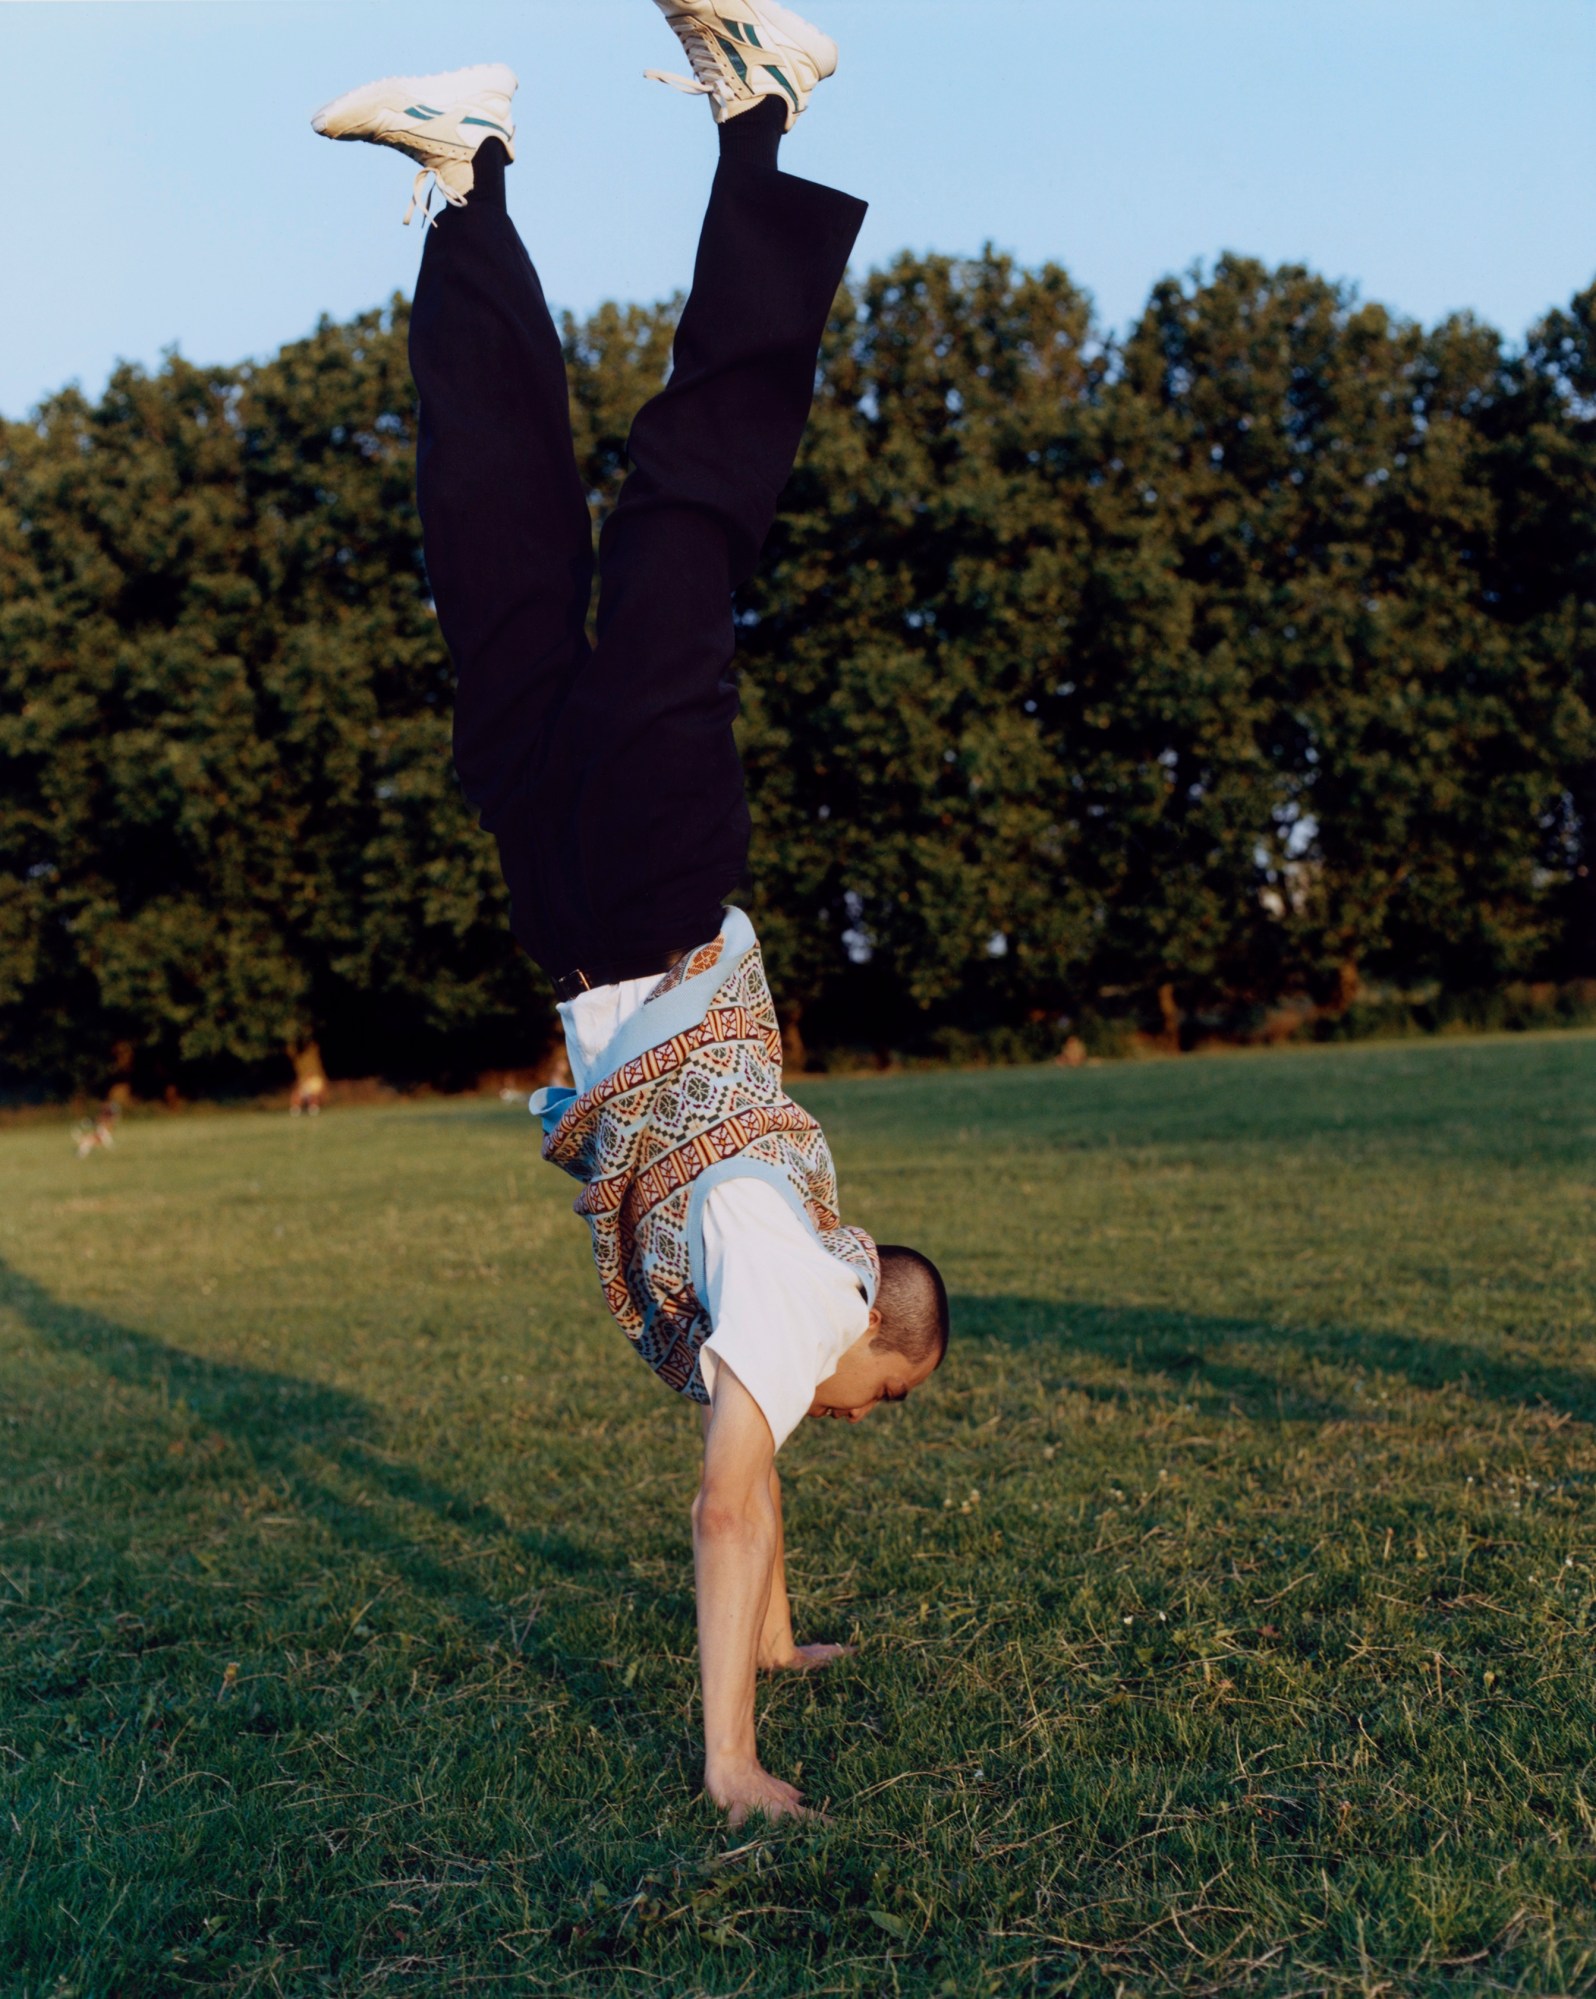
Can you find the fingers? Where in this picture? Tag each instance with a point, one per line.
(811, 1657)
(774, 1809)
(774, 1801)
(754, 1793)
(808, 1658)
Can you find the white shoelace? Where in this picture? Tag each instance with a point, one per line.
(429, 220)
(709, 76)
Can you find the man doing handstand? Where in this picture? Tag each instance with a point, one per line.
(608, 774)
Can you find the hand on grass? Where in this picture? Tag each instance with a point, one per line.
(746, 1788)
(790, 1658)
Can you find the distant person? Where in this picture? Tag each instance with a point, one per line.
(98, 1133)
(609, 776)
(310, 1082)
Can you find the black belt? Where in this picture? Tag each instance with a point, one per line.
(585, 977)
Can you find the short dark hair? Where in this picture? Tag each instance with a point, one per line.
(913, 1302)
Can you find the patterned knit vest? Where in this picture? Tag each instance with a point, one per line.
(690, 1092)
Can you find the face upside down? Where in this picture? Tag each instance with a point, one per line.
(901, 1348)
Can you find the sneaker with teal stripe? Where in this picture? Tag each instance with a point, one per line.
(439, 121)
(743, 51)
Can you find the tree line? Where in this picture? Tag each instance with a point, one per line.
(1248, 657)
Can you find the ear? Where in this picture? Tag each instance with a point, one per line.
(873, 1323)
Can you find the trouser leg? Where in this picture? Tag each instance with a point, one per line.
(642, 762)
(505, 520)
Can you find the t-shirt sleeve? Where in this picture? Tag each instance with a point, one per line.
(784, 1311)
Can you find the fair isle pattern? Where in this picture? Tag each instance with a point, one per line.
(701, 960)
(640, 1139)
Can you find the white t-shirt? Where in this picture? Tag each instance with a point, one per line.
(784, 1312)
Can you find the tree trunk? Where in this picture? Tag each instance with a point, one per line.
(1169, 1013)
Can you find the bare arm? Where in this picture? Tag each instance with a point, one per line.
(775, 1636)
(777, 1651)
(735, 1539)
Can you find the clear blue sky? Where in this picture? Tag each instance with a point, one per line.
(166, 187)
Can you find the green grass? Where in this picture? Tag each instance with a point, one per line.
(1226, 1608)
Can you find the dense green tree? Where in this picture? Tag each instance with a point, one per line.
(906, 632)
(1254, 655)
(1543, 584)
(231, 825)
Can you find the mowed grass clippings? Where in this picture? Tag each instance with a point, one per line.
(1225, 1609)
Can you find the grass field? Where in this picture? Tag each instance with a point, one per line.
(1225, 1609)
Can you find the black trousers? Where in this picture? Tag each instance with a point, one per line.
(607, 772)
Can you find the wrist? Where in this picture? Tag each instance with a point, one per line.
(731, 1748)
(725, 1770)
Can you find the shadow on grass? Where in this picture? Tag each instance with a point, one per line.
(1261, 1368)
(321, 1445)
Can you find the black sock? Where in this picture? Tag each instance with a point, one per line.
(488, 165)
(753, 140)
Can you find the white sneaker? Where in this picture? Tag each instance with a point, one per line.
(438, 120)
(743, 51)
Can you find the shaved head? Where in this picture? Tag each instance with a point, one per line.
(913, 1303)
